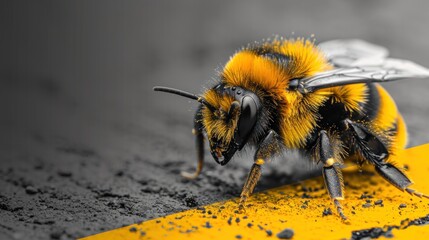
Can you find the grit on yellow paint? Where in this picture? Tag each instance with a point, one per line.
(300, 207)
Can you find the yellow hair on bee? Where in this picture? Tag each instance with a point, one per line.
(247, 70)
(350, 95)
(307, 58)
(401, 133)
(216, 123)
(387, 113)
(388, 118)
(299, 119)
(298, 112)
(250, 71)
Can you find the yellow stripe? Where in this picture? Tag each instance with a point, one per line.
(285, 207)
(387, 112)
(401, 138)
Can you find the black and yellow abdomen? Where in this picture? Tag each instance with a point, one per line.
(367, 104)
(387, 119)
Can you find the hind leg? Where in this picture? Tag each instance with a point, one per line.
(375, 152)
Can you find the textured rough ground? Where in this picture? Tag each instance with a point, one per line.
(86, 146)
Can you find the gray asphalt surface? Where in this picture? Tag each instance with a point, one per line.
(86, 146)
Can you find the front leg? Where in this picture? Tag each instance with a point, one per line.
(267, 149)
(199, 143)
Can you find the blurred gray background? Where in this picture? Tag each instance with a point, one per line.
(86, 146)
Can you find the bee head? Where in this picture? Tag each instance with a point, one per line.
(230, 124)
(229, 115)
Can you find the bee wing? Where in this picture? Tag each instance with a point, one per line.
(352, 52)
(360, 62)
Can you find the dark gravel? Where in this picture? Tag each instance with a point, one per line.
(86, 146)
(285, 234)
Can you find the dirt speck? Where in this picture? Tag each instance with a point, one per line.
(366, 205)
(31, 190)
(64, 173)
(326, 212)
(387, 230)
(57, 234)
(285, 234)
(208, 225)
(191, 202)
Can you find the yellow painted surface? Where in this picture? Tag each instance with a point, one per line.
(300, 207)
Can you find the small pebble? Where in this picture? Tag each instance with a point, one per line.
(249, 225)
(64, 173)
(402, 205)
(133, 229)
(238, 236)
(57, 234)
(31, 190)
(230, 220)
(378, 202)
(327, 211)
(269, 232)
(208, 225)
(366, 205)
(286, 234)
(237, 220)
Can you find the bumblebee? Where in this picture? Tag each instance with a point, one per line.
(323, 100)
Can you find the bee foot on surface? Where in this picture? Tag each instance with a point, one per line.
(189, 176)
(241, 207)
(346, 221)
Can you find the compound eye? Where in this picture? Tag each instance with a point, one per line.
(248, 117)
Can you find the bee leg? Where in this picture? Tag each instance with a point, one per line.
(375, 151)
(199, 143)
(252, 180)
(331, 171)
(268, 148)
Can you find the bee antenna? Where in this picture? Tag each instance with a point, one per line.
(184, 94)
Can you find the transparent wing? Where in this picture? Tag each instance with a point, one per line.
(352, 52)
(360, 62)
